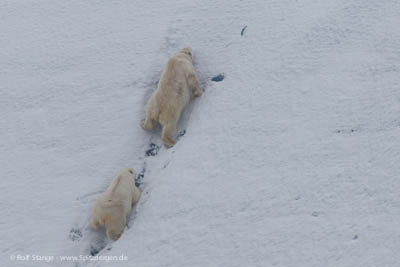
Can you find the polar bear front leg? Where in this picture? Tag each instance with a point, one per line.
(194, 84)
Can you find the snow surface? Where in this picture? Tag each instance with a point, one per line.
(293, 159)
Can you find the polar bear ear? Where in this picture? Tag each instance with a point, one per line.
(187, 50)
(132, 171)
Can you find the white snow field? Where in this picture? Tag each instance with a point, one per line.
(292, 160)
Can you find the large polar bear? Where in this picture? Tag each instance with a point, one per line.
(114, 206)
(178, 81)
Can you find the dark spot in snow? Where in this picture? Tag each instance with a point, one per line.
(109, 249)
(94, 251)
(139, 178)
(153, 150)
(345, 131)
(243, 30)
(166, 164)
(355, 237)
(75, 234)
(180, 134)
(218, 78)
(315, 214)
(97, 245)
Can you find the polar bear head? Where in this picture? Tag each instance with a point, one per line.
(187, 51)
(128, 172)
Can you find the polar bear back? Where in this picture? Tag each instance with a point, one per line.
(173, 90)
(122, 192)
(121, 188)
(113, 207)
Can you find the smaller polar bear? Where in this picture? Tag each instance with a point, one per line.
(114, 206)
(178, 81)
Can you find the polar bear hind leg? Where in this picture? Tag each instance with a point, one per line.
(115, 227)
(114, 234)
(168, 133)
(94, 223)
(151, 113)
(193, 84)
(148, 124)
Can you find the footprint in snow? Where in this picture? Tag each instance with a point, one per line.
(75, 234)
(139, 178)
(180, 134)
(153, 150)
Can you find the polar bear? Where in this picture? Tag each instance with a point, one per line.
(114, 206)
(178, 81)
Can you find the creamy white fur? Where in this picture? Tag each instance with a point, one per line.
(178, 81)
(114, 206)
